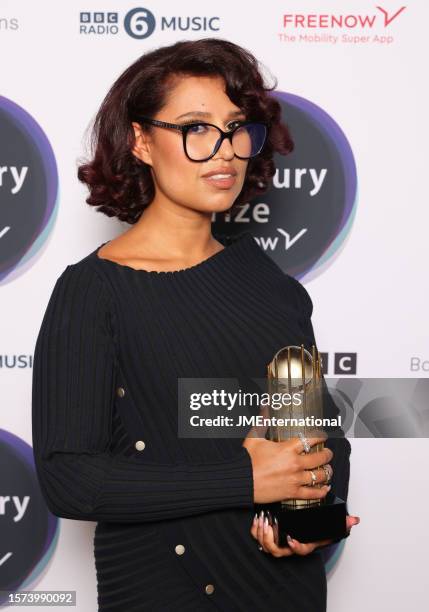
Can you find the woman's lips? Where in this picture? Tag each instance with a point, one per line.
(222, 183)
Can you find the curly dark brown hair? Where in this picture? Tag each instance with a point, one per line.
(120, 184)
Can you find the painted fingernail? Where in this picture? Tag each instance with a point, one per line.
(275, 520)
(266, 525)
(261, 518)
(255, 518)
(289, 539)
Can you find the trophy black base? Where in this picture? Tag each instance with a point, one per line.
(309, 524)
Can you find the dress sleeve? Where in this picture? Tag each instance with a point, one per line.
(73, 391)
(338, 443)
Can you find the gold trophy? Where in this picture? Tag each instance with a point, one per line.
(295, 374)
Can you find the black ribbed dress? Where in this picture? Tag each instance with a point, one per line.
(173, 514)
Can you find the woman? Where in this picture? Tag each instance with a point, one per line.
(166, 300)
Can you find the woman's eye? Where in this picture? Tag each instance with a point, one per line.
(197, 129)
(231, 125)
(201, 127)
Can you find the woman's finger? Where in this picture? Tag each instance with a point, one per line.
(298, 445)
(301, 548)
(260, 530)
(351, 520)
(254, 527)
(271, 546)
(266, 533)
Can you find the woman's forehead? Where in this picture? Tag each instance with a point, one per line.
(204, 96)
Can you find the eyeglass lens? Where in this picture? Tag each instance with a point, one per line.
(247, 140)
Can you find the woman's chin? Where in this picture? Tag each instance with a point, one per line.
(220, 202)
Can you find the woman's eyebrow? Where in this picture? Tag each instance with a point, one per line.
(208, 115)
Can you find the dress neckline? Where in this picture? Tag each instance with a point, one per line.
(233, 244)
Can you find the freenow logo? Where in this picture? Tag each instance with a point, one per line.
(28, 531)
(381, 18)
(340, 28)
(303, 220)
(28, 189)
(140, 23)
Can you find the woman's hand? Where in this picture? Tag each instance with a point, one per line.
(281, 470)
(264, 532)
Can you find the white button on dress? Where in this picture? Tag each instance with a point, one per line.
(140, 445)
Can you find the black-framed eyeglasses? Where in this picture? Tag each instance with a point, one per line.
(202, 140)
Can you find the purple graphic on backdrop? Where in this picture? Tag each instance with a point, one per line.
(302, 221)
(28, 189)
(28, 530)
(341, 205)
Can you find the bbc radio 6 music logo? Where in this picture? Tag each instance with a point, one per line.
(28, 530)
(140, 23)
(99, 23)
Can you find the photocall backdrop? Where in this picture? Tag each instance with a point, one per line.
(347, 215)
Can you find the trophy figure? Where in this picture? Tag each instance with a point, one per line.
(296, 374)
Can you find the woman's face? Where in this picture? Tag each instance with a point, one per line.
(177, 178)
